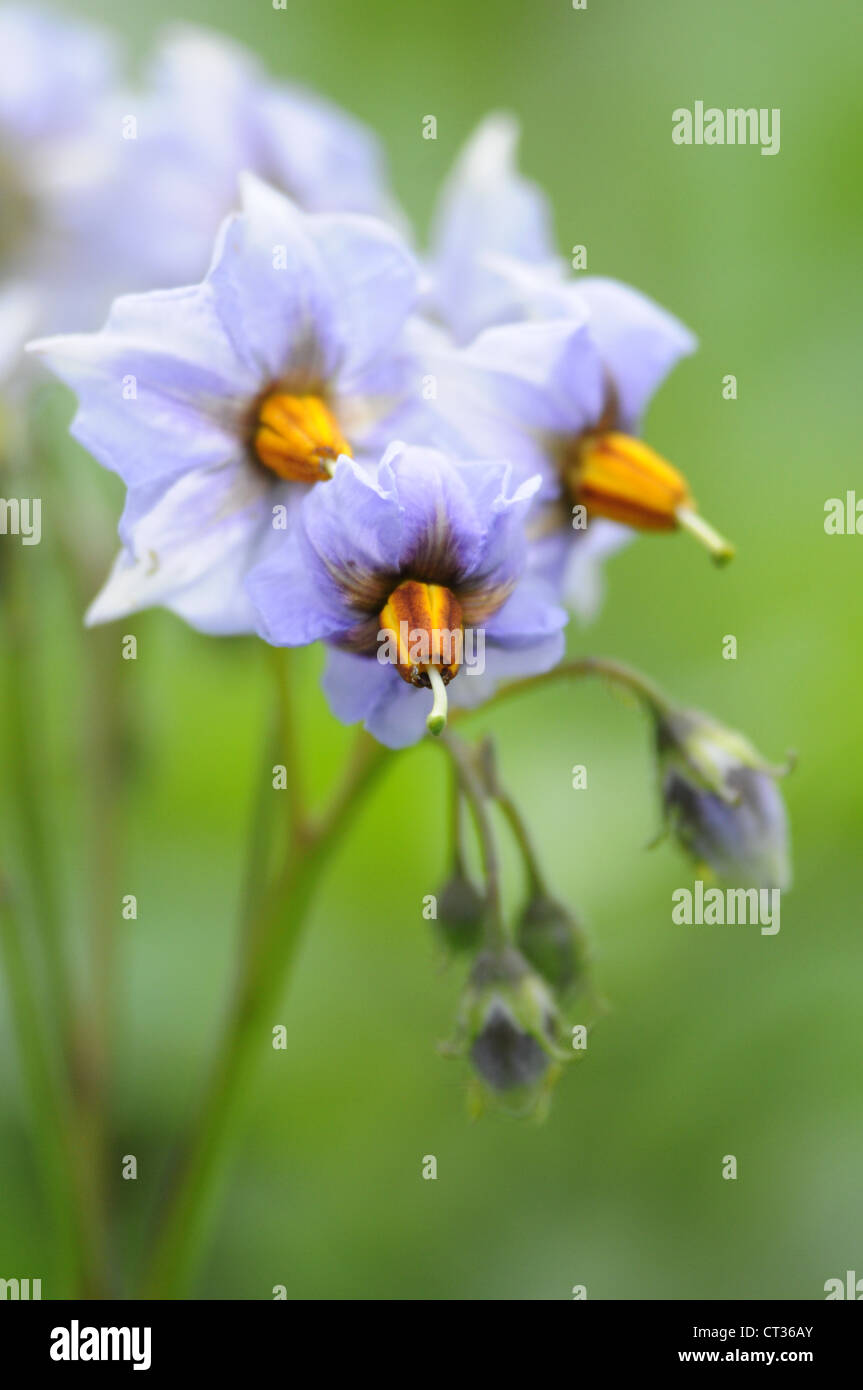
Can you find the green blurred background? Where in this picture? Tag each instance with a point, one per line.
(719, 1041)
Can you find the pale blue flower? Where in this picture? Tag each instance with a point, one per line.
(210, 400)
(55, 157)
(429, 524)
(536, 360)
(486, 209)
(207, 113)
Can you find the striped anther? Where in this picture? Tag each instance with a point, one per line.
(426, 626)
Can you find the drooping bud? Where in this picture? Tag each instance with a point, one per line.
(721, 801)
(623, 479)
(509, 1028)
(424, 625)
(298, 437)
(461, 910)
(550, 938)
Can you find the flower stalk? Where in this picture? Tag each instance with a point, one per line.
(614, 671)
(494, 933)
(264, 966)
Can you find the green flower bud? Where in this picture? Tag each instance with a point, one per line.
(460, 913)
(549, 937)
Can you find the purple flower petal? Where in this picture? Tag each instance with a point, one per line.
(190, 552)
(528, 617)
(270, 284)
(517, 387)
(638, 342)
(372, 280)
(348, 531)
(361, 688)
(159, 388)
(53, 73)
(323, 158)
(486, 206)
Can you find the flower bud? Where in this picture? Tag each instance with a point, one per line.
(549, 937)
(460, 913)
(509, 1027)
(721, 800)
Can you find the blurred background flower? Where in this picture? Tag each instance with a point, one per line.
(207, 108)
(56, 77)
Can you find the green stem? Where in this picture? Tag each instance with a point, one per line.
(264, 969)
(103, 735)
(259, 853)
(471, 784)
(40, 865)
(50, 1056)
(284, 661)
(614, 671)
(459, 860)
(105, 742)
(522, 837)
(49, 1102)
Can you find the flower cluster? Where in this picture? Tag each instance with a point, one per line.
(419, 461)
(228, 407)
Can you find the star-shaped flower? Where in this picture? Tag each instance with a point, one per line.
(416, 580)
(218, 402)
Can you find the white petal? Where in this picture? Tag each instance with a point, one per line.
(191, 553)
